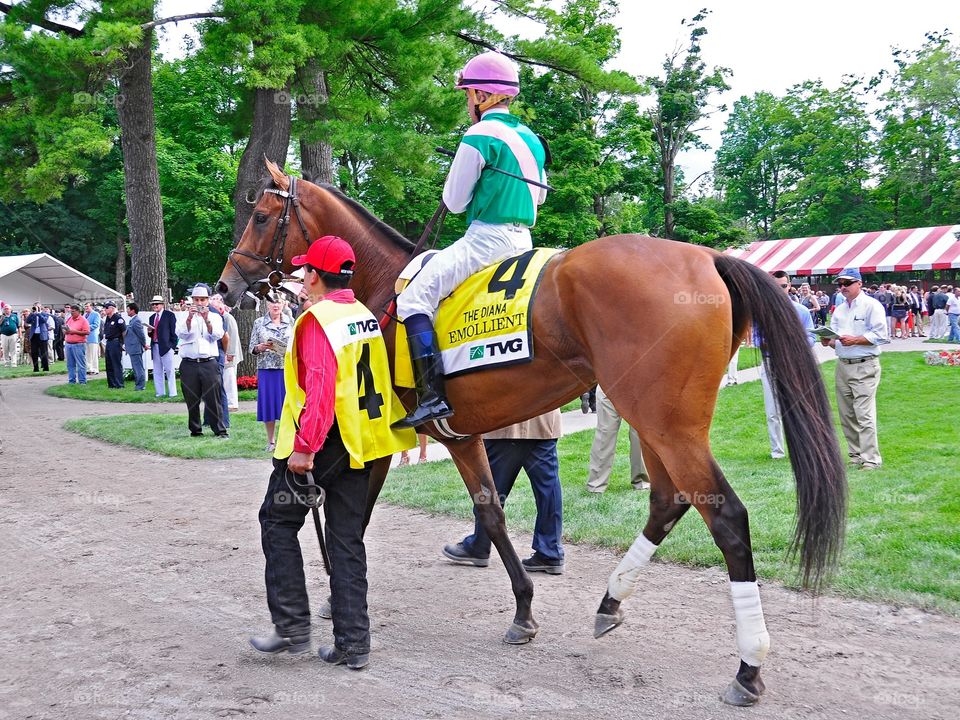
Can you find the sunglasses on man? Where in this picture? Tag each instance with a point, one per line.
(846, 283)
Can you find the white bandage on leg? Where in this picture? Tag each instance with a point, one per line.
(624, 579)
(752, 638)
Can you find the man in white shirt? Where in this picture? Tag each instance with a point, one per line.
(199, 333)
(953, 315)
(861, 323)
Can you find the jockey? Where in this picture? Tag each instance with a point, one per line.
(500, 212)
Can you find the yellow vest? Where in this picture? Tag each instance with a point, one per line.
(366, 404)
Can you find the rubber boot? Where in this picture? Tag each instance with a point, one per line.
(428, 370)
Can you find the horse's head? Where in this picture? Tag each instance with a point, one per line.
(278, 229)
(288, 217)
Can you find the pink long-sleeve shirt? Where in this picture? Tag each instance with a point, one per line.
(317, 374)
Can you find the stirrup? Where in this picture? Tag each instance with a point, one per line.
(436, 410)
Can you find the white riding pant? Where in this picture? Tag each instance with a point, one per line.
(483, 245)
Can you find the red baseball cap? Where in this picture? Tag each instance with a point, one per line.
(329, 254)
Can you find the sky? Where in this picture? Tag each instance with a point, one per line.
(769, 46)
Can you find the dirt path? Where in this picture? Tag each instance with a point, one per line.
(131, 581)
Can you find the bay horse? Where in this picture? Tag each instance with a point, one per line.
(600, 316)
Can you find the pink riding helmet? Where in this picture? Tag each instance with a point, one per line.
(492, 72)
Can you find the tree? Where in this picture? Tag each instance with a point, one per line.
(682, 96)
(830, 149)
(753, 167)
(919, 144)
(61, 131)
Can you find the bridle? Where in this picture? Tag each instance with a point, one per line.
(274, 259)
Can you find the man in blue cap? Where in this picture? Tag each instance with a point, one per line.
(861, 323)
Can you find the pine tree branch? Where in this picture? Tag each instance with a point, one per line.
(479, 42)
(177, 18)
(43, 22)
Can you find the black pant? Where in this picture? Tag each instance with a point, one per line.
(58, 348)
(38, 351)
(538, 458)
(281, 518)
(114, 363)
(224, 410)
(201, 381)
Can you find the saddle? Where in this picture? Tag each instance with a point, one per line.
(485, 322)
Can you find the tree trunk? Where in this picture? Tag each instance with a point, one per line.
(668, 183)
(245, 319)
(120, 270)
(316, 155)
(141, 182)
(270, 137)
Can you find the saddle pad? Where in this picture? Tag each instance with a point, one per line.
(485, 322)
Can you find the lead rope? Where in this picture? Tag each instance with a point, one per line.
(313, 499)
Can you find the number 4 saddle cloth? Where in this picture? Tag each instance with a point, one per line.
(486, 321)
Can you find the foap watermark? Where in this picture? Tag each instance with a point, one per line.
(308, 698)
(98, 497)
(97, 98)
(100, 695)
(686, 297)
(899, 698)
(699, 498)
(285, 97)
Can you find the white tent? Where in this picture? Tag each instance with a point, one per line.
(27, 279)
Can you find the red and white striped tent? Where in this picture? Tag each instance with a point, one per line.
(931, 248)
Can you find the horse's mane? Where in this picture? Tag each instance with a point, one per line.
(384, 229)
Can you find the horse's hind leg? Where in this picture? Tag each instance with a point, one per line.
(702, 483)
(667, 506)
(471, 460)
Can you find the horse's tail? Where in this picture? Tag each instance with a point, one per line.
(807, 418)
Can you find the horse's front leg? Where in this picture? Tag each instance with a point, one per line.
(471, 460)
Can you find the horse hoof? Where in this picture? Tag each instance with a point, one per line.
(737, 694)
(604, 623)
(519, 635)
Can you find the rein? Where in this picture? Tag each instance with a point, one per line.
(274, 260)
(433, 227)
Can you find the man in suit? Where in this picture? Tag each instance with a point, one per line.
(134, 343)
(39, 336)
(915, 300)
(162, 330)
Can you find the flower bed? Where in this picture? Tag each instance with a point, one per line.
(247, 382)
(942, 357)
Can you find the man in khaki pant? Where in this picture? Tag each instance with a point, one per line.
(861, 324)
(9, 335)
(604, 449)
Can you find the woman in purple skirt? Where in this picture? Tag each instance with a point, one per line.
(269, 340)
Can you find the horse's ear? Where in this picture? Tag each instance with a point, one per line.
(279, 179)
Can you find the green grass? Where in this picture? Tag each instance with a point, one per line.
(168, 435)
(903, 531)
(97, 390)
(26, 370)
(749, 358)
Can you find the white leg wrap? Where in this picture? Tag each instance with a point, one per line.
(624, 579)
(752, 638)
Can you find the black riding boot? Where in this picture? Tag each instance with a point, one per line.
(428, 370)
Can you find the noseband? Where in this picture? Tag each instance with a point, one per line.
(274, 260)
